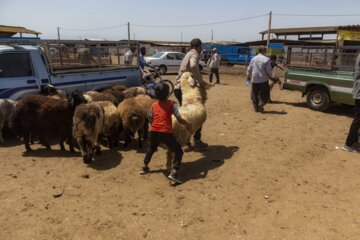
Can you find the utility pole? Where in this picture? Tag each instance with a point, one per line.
(58, 32)
(128, 33)
(269, 29)
(181, 36)
(212, 35)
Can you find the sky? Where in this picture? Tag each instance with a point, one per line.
(96, 17)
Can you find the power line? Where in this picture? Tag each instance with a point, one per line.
(316, 15)
(201, 24)
(94, 29)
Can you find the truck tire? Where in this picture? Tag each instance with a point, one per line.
(317, 98)
(162, 69)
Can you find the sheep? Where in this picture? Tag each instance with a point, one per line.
(111, 123)
(88, 122)
(134, 91)
(6, 107)
(133, 119)
(119, 87)
(52, 92)
(93, 96)
(192, 110)
(145, 102)
(36, 114)
(119, 95)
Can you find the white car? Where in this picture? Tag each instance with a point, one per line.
(168, 61)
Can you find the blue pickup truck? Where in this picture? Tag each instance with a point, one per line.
(231, 54)
(25, 69)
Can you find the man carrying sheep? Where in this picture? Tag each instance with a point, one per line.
(259, 72)
(190, 63)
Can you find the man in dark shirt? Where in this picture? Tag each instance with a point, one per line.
(352, 141)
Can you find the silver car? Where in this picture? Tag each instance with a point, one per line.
(169, 61)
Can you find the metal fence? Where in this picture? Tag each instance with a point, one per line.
(72, 56)
(308, 57)
(326, 58)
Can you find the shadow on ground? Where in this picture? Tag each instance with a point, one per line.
(337, 109)
(107, 160)
(213, 157)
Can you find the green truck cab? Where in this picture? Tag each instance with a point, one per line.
(324, 75)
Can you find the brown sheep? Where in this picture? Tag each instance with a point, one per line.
(119, 95)
(88, 122)
(37, 114)
(145, 102)
(119, 87)
(6, 107)
(111, 123)
(93, 96)
(132, 118)
(134, 91)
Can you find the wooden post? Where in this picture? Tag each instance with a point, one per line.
(128, 33)
(269, 30)
(58, 32)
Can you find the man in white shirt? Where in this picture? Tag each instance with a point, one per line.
(129, 56)
(214, 66)
(259, 73)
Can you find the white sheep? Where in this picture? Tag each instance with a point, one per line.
(6, 107)
(192, 110)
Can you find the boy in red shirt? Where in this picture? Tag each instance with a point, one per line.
(161, 130)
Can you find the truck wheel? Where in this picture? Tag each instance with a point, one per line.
(162, 70)
(318, 98)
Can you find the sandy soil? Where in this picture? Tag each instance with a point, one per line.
(276, 175)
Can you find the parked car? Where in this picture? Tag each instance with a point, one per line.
(169, 61)
(24, 70)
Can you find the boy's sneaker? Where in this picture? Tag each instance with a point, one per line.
(144, 170)
(174, 177)
(353, 148)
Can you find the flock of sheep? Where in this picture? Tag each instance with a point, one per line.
(88, 117)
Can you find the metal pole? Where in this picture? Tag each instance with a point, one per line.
(128, 33)
(58, 32)
(269, 30)
(212, 35)
(181, 36)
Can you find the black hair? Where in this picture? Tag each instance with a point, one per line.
(273, 57)
(262, 49)
(162, 91)
(195, 43)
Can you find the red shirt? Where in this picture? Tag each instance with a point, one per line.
(161, 116)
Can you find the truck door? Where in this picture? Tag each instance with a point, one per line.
(17, 77)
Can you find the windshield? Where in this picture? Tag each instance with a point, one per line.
(158, 55)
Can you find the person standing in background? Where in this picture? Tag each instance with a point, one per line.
(214, 66)
(352, 141)
(259, 72)
(129, 56)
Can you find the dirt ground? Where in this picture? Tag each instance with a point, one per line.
(276, 175)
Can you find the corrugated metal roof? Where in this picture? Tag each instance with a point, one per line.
(11, 30)
(311, 30)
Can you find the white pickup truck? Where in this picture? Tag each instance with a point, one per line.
(25, 69)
